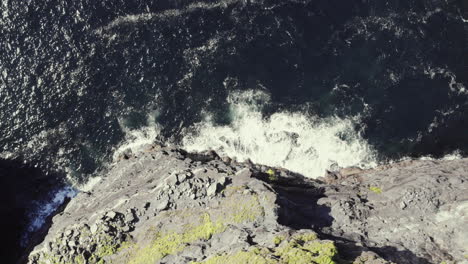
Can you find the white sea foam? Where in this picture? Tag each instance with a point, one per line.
(44, 209)
(456, 155)
(135, 139)
(295, 141)
(88, 186)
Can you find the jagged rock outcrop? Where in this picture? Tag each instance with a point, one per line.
(164, 205)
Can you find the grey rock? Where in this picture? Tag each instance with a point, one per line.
(162, 205)
(171, 180)
(222, 181)
(111, 215)
(185, 186)
(94, 228)
(68, 233)
(72, 243)
(129, 216)
(409, 212)
(212, 189)
(181, 177)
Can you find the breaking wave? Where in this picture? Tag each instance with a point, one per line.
(45, 208)
(136, 138)
(305, 144)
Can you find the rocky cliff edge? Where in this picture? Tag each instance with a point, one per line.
(164, 205)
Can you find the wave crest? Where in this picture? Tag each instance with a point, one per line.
(305, 144)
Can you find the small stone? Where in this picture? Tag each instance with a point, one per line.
(402, 205)
(94, 228)
(244, 173)
(222, 181)
(226, 160)
(171, 180)
(181, 177)
(129, 217)
(72, 243)
(212, 189)
(185, 186)
(162, 205)
(68, 233)
(192, 196)
(111, 215)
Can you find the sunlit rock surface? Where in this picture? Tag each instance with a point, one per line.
(164, 205)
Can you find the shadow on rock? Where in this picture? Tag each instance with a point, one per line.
(298, 199)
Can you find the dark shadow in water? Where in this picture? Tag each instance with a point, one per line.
(21, 186)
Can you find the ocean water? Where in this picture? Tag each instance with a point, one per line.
(303, 84)
(386, 78)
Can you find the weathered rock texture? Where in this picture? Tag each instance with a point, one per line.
(167, 206)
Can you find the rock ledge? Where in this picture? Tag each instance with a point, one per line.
(164, 205)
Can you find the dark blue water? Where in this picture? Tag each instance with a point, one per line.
(72, 72)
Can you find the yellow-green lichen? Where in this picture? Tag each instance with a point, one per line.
(307, 249)
(278, 239)
(170, 243)
(248, 210)
(301, 249)
(375, 189)
(271, 175)
(80, 260)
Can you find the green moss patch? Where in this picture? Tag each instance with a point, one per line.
(169, 243)
(300, 249)
(307, 249)
(375, 189)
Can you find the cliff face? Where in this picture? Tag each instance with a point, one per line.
(164, 205)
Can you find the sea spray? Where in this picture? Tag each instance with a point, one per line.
(305, 144)
(42, 209)
(136, 138)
